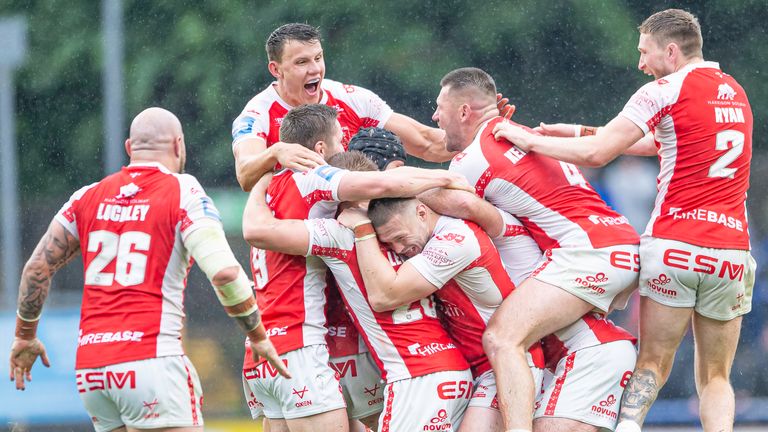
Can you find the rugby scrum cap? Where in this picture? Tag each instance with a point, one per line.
(380, 145)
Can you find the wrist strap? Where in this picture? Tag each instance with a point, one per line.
(363, 230)
(588, 130)
(365, 237)
(26, 329)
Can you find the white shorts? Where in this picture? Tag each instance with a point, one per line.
(717, 283)
(314, 388)
(596, 276)
(433, 402)
(484, 390)
(144, 394)
(361, 384)
(588, 384)
(254, 406)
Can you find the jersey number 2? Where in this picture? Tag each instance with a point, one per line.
(126, 249)
(722, 141)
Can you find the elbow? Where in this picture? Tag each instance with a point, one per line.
(245, 184)
(380, 303)
(255, 234)
(596, 158)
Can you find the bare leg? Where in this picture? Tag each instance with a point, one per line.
(716, 343)
(331, 421)
(661, 330)
(552, 424)
(531, 312)
(479, 419)
(371, 422)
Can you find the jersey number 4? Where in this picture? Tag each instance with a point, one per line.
(126, 249)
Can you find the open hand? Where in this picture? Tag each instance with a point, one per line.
(505, 109)
(556, 129)
(352, 216)
(24, 353)
(264, 349)
(296, 157)
(514, 134)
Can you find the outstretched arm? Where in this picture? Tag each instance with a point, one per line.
(591, 151)
(387, 289)
(262, 230)
(398, 182)
(419, 140)
(645, 146)
(57, 248)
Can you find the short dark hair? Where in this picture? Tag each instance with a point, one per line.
(288, 32)
(470, 78)
(308, 124)
(381, 210)
(678, 26)
(352, 161)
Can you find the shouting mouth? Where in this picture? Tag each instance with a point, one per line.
(312, 86)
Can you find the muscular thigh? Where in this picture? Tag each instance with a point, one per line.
(717, 283)
(145, 394)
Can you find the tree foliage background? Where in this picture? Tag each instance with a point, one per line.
(572, 61)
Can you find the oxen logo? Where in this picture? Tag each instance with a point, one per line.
(725, 92)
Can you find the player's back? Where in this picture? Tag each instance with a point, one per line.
(130, 228)
(702, 122)
(551, 198)
(290, 290)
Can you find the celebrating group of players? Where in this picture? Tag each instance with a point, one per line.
(396, 298)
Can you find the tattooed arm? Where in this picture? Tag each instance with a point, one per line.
(54, 251)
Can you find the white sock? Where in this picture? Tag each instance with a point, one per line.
(627, 426)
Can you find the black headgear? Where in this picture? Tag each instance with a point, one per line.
(380, 145)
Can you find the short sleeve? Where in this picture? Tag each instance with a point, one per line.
(327, 237)
(648, 105)
(445, 255)
(250, 124)
(66, 216)
(321, 183)
(196, 207)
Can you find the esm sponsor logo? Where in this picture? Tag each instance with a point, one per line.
(686, 260)
(343, 367)
(454, 390)
(91, 381)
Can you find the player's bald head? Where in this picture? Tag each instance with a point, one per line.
(153, 129)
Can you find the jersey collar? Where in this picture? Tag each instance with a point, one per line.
(157, 165)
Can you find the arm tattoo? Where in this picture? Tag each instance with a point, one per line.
(249, 322)
(639, 395)
(55, 250)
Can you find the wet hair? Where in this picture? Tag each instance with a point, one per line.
(470, 78)
(352, 161)
(294, 31)
(381, 210)
(380, 145)
(308, 124)
(675, 25)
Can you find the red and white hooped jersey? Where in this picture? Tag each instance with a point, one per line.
(551, 198)
(357, 108)
(702, 124)
(407, 342)
(590, 330)
(131, 227)
(290, 290)
(462, 262)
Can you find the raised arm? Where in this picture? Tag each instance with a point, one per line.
(262, 230)
(387, 289)
(55, 249)
(419, 140)
(398, 182)
(645, 146)
(253, 159)
(590, 151)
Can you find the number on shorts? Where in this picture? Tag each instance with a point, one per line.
(126, 248)
(722, 141)
(573, 175)
(259, 262)
(412, 312)
(625, 379)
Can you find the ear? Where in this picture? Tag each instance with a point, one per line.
(274, 69)
(128, 147)
(421, 210)
(319, 148)
(672, 50)
(464, 111)
(177, 144)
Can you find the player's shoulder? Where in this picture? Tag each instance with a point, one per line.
(188, 184)
(76, 195)
(449, 229)
(339, 90)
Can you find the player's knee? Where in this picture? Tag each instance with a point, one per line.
(497, 340)
(225, 275)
